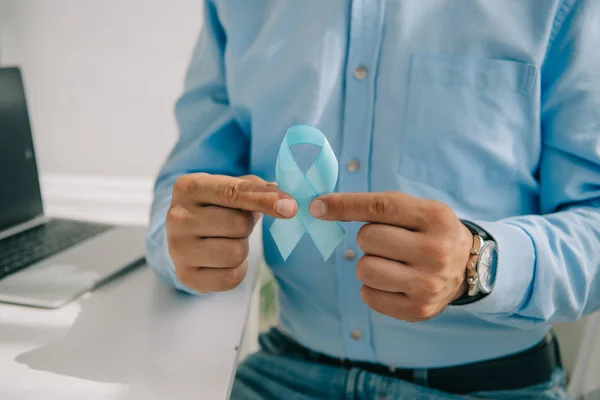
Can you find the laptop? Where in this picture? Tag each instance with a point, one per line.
(47, 262)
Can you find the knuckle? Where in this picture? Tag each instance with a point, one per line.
(433, 286)
(378, 206)
(444, 252)
(438, 213)
(185, 184)
(437, 250)
(176, 215)
(230, 191)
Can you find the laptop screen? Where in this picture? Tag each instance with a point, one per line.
(20, 197)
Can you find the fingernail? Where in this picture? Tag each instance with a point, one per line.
(317, 208)
(256, 215)
(285, 207)
(272, 184)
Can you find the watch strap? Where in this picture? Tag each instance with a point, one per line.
(466, 299)
(476, 230)
(463, 300)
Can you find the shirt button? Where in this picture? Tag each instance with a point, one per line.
(353, 166)
(360, 73)
(349, 254)
(356, 334)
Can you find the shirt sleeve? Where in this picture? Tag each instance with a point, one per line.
(549, 265)
(210, 140)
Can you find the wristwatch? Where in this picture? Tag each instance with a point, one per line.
(481, 274)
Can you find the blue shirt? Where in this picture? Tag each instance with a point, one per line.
(492, 107)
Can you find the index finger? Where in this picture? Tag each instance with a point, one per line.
(396, 208)
(237, 193)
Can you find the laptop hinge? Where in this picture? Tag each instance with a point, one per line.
(32, 223)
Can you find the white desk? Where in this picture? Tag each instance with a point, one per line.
(132, 339)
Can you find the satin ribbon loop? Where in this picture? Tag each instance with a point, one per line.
(320, 179)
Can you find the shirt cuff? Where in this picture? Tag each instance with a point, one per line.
(514, 272)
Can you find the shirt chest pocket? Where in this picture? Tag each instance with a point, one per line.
(466, 122)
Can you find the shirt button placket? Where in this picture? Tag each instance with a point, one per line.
(349, 254)
(360, 73)
(353, 166)
(365, 42)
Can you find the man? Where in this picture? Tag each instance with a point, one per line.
(468, 136)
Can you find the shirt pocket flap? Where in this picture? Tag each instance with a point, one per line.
(474, 73)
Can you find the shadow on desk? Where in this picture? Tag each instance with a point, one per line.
(137, 332)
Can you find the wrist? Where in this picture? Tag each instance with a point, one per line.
(466, 245)
(480, 270)
(462, 291)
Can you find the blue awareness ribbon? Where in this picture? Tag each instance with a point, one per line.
(320, 179)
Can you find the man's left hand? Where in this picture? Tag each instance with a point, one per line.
(416, 251)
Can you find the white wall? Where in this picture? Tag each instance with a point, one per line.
(101, 79)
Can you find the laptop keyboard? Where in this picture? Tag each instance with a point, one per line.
(28, 247)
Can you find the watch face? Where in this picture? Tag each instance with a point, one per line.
(486, 267)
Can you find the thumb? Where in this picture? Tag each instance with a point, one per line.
(286, 207)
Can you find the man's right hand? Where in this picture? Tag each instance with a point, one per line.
(209, 222)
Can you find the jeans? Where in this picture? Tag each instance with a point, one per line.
(277, 373)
